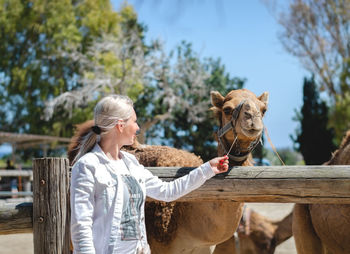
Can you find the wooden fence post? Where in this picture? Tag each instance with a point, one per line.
(51, 212)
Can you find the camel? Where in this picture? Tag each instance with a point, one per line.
(262, 236)
(324, 228)
(196, 227)
(202, 225)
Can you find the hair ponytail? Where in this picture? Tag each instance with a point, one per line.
(82, 142)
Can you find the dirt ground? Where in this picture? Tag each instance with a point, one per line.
(23, 243)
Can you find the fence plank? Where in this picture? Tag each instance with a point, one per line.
(13, 172)
(51, 216)
(280, 184)
(16, 218)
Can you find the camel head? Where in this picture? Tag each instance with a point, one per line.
(240, 115)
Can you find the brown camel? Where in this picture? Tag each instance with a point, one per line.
(324, 228)
(196, 227)
(202, 225)
(262, 235)
(244, 111)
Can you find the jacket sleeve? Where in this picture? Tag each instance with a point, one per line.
(82, 203)
(170, 191)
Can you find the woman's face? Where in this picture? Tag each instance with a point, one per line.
(130, 129)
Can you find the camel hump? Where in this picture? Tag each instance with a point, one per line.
(163, 156)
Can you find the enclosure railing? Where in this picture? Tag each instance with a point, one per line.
(49, 214)
(23, 185)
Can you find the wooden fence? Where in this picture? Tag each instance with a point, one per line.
(24, 180)
(49, 215)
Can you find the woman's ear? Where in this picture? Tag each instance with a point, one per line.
(120, 126)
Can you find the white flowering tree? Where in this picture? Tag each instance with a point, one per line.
(171, 91)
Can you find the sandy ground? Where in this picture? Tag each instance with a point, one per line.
(23, 243)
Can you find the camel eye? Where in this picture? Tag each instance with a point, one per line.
(263, 111)
(227, 110)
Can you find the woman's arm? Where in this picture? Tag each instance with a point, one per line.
(170, 191)
(82, 207)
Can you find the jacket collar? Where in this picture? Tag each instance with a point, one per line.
(97, 150)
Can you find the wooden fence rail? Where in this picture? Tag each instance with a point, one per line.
(287, 184)
(16, 172)
(23, 188)
(277, 184)
(16, 218)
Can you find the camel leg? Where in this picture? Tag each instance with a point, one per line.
(306, 240)
(229, 246)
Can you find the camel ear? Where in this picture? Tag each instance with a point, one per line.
(217, 100)
(264, 98)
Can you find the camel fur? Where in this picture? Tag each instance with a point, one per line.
(324, 228)
(261, 236)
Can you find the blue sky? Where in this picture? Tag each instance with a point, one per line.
(245, 36)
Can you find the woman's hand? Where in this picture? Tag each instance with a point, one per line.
(219, 164)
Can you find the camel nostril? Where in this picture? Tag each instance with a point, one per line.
(248, 115)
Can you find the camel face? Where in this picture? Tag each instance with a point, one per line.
(244, 110)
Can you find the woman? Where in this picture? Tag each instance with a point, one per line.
(109, 186)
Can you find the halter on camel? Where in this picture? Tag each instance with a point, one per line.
(238, 155)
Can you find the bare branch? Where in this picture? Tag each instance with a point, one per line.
(317, 32)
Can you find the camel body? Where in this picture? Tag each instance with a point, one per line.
(324, 228)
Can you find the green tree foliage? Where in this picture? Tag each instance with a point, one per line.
(340, 112)
(33, 69)
(60, 56)
(314, 140)
(288, 156)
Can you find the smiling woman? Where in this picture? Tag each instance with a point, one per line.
(109, 186)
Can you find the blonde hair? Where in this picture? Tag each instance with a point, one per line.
(108, 111)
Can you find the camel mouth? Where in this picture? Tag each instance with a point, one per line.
(252, 133)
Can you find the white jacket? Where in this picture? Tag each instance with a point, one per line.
(98, 191)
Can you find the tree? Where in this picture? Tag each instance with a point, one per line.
(184, 82)
(33, 68)
(288, 156)
(317, 32)
(172, 90)
(313, 139)
(340, 112)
